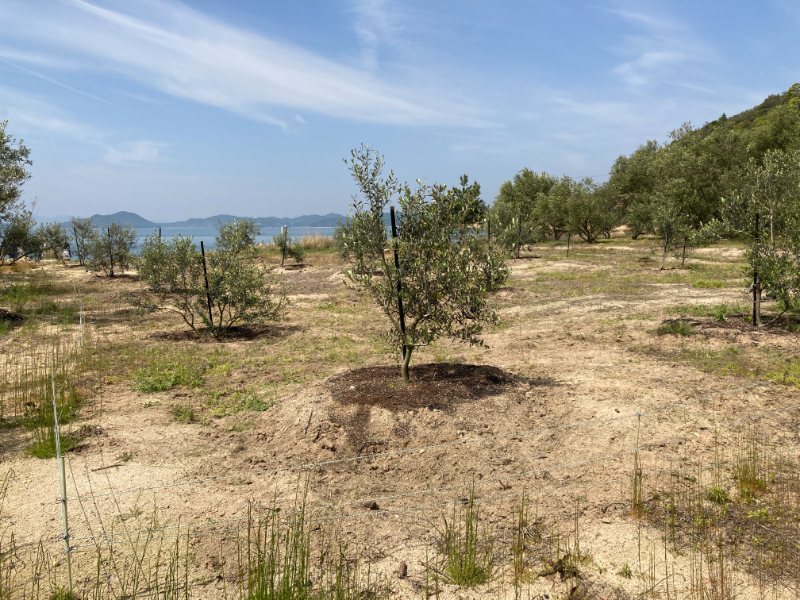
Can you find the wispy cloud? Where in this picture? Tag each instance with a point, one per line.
(33, 114)
(663, 49)
(36, 58)
(182, 52)
(376, 23)
(58, 83)
(134, 152)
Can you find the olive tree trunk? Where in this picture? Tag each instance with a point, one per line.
(406, 361)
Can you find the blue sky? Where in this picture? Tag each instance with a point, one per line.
(176, 110)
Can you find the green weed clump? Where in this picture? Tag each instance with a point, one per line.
(789, 375)
(717, 495)
(709, 283)
(39, 419)
(184, 412)
(164, 372)
(20, 294)
(223, 403)
(5, 327)
(62, 593)
(45, 445)
(676, 327)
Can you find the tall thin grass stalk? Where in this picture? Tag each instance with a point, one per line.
(466, 545)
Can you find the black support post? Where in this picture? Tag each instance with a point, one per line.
(205, 276)
(399, 282)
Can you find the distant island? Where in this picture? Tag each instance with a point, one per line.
(139, 222)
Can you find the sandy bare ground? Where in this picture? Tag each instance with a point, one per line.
(578, 380)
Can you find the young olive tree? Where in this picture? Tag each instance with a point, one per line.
(54, 239)
(111, 249)
(444, 269)
(767, 212)
(288, 246)
(516, 212)
(82, 230)
(17, 238)
(238, 289)
(672, 225)
(552, 209)
(590, 213)
(172, 271)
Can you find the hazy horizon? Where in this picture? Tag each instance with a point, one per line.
(64, 218)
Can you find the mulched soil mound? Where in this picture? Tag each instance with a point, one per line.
(11, 317)
(434, 386)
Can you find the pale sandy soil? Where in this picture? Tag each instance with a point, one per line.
(571, 360)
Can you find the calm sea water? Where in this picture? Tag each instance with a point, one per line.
(207, 234)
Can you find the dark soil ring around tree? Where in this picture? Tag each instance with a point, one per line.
(435, 386)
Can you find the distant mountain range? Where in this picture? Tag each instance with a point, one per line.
(138, 222)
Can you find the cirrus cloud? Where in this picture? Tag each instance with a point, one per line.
(184, 53)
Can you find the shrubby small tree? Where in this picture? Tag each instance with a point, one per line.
(445, 268)
(671, 224)
(552, 209)
(53, 239)
(17, 237)
(589, 211)
(172, 270)
(516, 215)
(82, 230)
(239, 290)
(633, 180)
(288, 246)
(17, 225)
(111, 249)
(766, 210)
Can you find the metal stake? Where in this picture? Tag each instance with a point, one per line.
(285, 236)
(756, 291)
(63, 488)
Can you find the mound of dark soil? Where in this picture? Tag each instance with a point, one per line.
(435, 386)
(11, 317)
